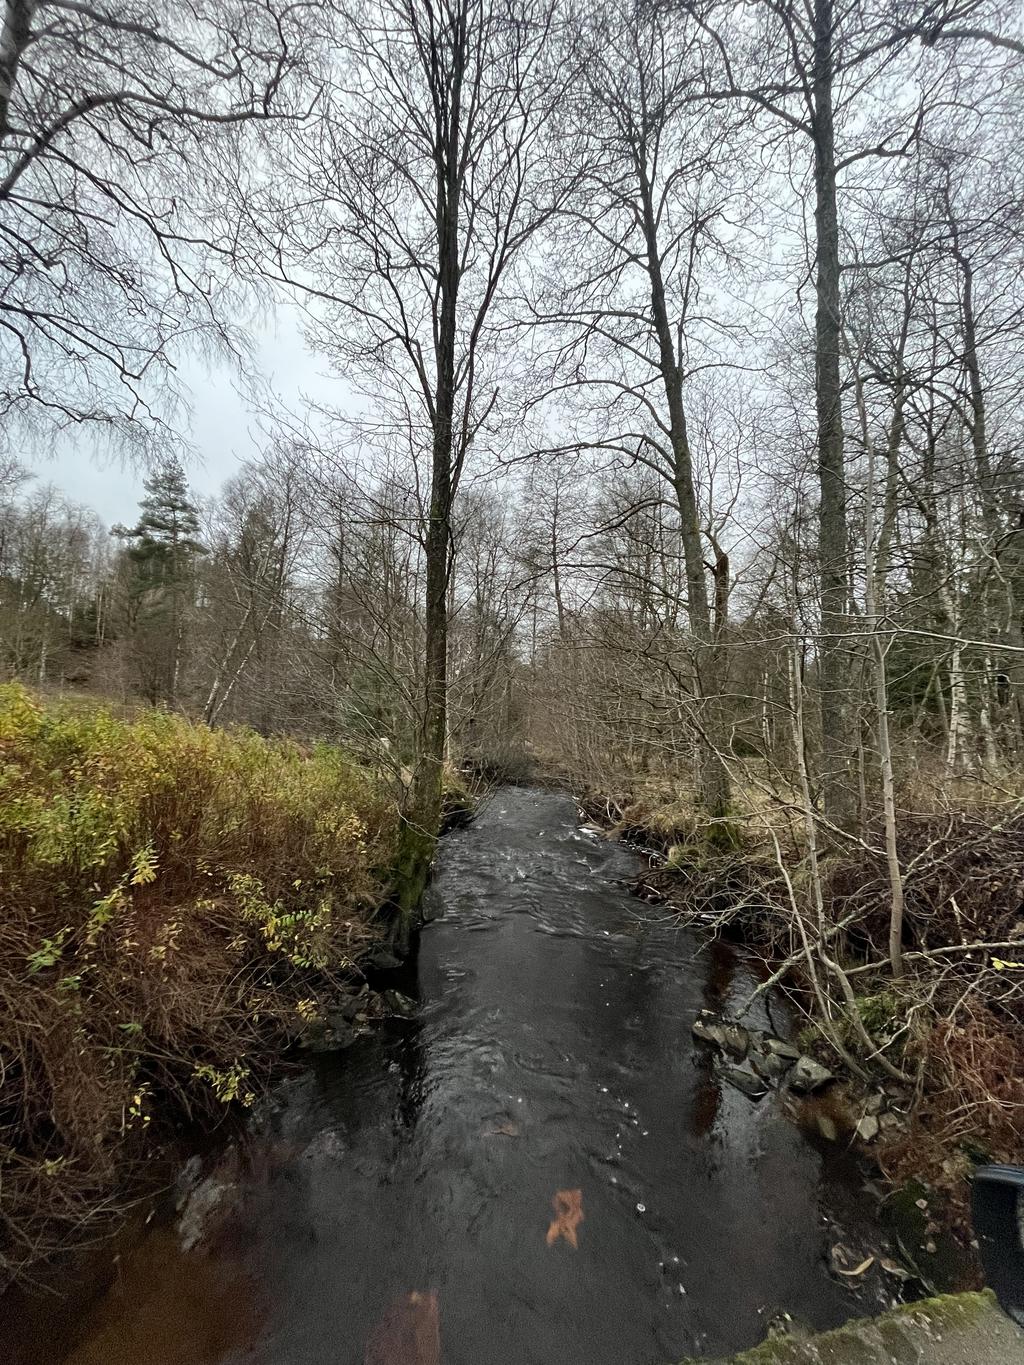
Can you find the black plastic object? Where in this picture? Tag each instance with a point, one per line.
(997, 1208)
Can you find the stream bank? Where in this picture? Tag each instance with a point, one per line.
(955, 1329)
(178, 905)
(925, 1076)
(542, 1162)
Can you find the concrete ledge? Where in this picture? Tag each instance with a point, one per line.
(955, 1329)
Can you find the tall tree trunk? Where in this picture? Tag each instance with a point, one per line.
(1007, 548)
(714, 782)
(556, 572)
(959, 756)
(15, 35)
(832, 528)
(172, 681)
(876, 577)
(875, 603)
(422, 816)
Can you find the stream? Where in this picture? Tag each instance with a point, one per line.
(539, 1167)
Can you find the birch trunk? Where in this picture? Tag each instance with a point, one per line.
(875, 579)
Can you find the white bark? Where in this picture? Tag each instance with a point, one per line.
(875, 575)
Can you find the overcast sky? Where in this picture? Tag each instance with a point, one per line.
(223, 431)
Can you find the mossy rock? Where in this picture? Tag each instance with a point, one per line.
(683, 856)
(703, 849)
(724, 834)
(953, 1329)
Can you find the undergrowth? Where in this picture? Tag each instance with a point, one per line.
(955, 1024)
(959, 1017)
(176, 904)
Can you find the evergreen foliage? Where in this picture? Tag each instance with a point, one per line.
(163, 548)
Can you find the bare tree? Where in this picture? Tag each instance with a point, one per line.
(824, 76)
(417, 196)
(255, 542)
(123, 126)
(623, 300)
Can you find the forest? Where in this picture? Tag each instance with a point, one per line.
(676, 458)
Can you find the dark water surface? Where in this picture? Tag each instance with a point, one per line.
(552, 1053)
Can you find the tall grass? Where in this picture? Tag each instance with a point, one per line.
(176, 904)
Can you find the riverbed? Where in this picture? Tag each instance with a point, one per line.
(539, 1166)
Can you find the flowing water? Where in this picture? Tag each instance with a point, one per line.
(540, 1168)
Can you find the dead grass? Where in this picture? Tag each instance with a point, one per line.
(176, 905)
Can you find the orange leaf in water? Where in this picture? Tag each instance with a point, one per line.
(568, 1207)
(502, 1130)
(408, 1334)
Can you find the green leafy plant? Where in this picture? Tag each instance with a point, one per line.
(168, 893)
(49, 954)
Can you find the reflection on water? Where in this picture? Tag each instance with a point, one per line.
(408, 1334)
(157, 1292)
(540, 1167)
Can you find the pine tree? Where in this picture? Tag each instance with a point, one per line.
(162, 550)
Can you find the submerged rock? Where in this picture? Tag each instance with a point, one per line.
(208, 1201)
(372, 1007)
(737, 1040)
(707, 1031)
(745, 1081)
(807, 1075)
(186, 1181)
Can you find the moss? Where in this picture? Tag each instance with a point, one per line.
(449, 809)
(681, 856)
(699, 843)
(410, 872)
(807, 1037)
(904, 1215)
(949, 1310)
(674, 821)
(976, 1149)
(895, 1338)
(724, 834)
(777, 1351)
(877, 1012)
(899, 1349)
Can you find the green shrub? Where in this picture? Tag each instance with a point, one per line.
(175, 904)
